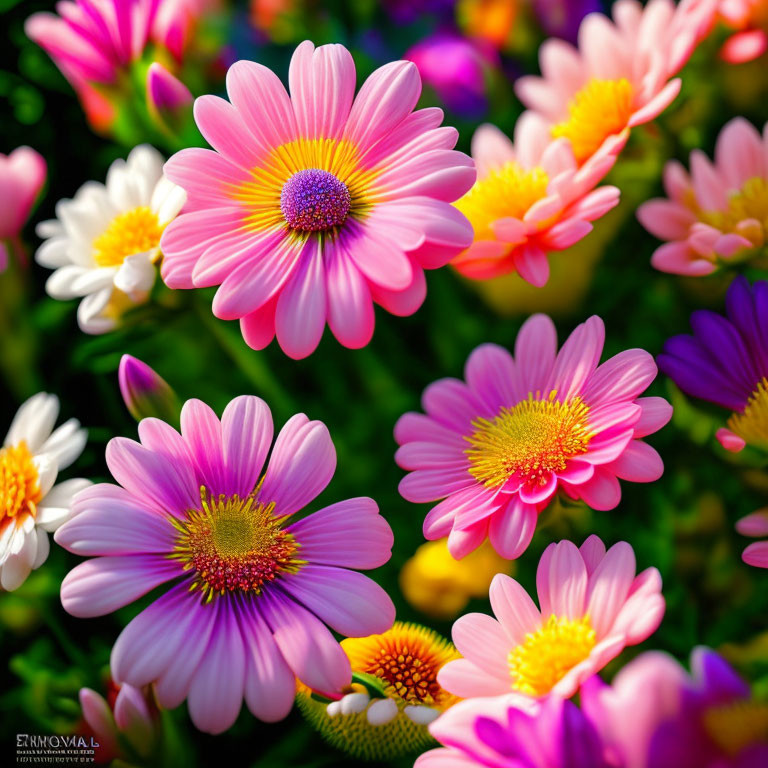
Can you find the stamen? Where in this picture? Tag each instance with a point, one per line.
(548, 654)
(600, 109)
(752, 423)
(135, 231)
(314, 200)
(234, 544)
(530, 441)
(19, 482)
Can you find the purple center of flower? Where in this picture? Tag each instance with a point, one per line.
(314, 200)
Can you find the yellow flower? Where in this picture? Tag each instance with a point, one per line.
(439, 586)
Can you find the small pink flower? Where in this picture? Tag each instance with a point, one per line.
(317, 205)
(529, 199)
(132, 720)
(718, 213)
(755, 526)
(22, 176)
(620, 76)
(249, 591)
(497, 447)
(592, 605)
(750, 20)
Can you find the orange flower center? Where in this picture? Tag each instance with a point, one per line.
(746, 214)
(406, 659)
(530, 440)
(19, 482)
(600, 109)
(752, 423)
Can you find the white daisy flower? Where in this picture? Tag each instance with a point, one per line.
(31, 506)
(105, 242)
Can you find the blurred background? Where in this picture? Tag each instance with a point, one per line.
(469, 53)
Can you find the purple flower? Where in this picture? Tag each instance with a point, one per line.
(252, 591)
(725, 362)
(456, 68)
(562, 18)
(515, 732)
(146, 393)
(655, 715)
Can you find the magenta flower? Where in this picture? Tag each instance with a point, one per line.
(22, 176)
(313, 207)
(497, 447)
(457, 68)
(146, 393)
(719, 213)
(592, 605)
(508, 732)
(252, 591)
(655, 715)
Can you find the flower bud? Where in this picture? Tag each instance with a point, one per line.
(169, 101)
(145, 393)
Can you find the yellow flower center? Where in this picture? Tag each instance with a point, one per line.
(530, 440)
(406, 659)
(600, 109)
(19, 482)
(234, 544)
(750, 202)
(134, 231)
(737, 725)
(548, 654)
(263, 195)
(752, 423)
(508, 191)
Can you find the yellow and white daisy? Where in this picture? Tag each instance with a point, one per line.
(105, 242)
(31, 506)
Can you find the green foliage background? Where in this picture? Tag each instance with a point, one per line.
(682, 524)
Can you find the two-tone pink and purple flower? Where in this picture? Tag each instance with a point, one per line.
(251, 590)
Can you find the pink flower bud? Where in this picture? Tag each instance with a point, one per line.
(168, 99)
(145, 393)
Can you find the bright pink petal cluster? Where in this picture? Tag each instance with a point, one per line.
(530, 199)
(22, 175)
(317, 205)
(750, 20)
(591, 606)
(252, 592)
(719, 212)
(620, 76)
(498, 446)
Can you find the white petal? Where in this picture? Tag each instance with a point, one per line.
(34, 421)
(421, 715)
(54, 509)
(43, 548)
(17, 567)
(53, 253)
(136, 274)
(167, 200)
(89, 313)
(49, 228)
(47, 469)
(66, 443)
(353, 703)
(333, 709)
(382, 711)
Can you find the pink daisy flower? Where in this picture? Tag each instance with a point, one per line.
(620, 76)
(592, 605)
(755, 526)
(252, 591)
(498, 446)
(314, 207)
(750, 20)
(718, 213)
(530, 198)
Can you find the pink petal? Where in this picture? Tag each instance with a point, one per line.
(322, 83)
(602, 492)
(490, 374)
(577, 359)
(104, 584)
(301, 307)
(463, 678)
(306, 644)
(350, 307)
(491, 149)
(258, 328)
(216, 691)
(201, 430)
(609, 585)
(462, 542)
(532, 264)
(755, 524)
(561, 581)
(656, 413)
(482, 641)
(302, 464)
(756, 554)
(513, 607)
(246, 428)
(639, 463)
(730, 440)
(535, 351)
(350, 533)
